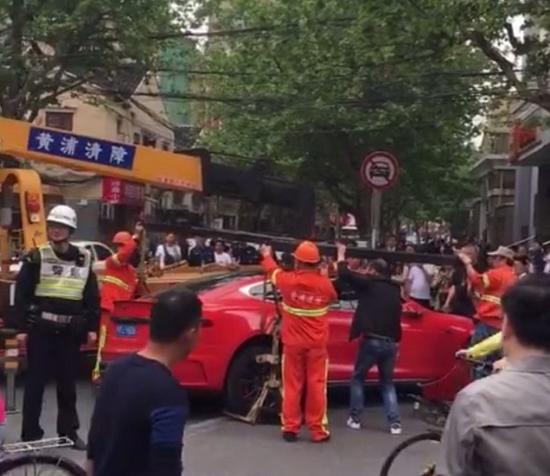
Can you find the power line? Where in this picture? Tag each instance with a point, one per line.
(334, 22)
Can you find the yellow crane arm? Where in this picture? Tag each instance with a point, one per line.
(107, 158)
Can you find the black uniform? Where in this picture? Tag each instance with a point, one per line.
(52, 347)
(200, 255)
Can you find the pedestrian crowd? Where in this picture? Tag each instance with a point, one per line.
(196, 251)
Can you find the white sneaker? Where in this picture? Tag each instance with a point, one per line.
(354, 424)
(395, 429)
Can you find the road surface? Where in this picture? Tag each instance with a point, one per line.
(218, 446)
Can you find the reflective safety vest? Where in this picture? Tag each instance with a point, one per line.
(491, 286)
(61, 279)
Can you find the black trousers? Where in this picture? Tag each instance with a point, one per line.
(57, 355)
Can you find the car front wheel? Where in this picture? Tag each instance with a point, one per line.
(245, 382)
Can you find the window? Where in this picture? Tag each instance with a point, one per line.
(509, 179)
(149, 140)
(165, 145)
(119, 124)
(262, 290)
(60, 120)
(107, 211)
(493, 179)
(499, 143)
(102, 252)
(137, 138)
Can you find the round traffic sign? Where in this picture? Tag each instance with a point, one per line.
(380, 170)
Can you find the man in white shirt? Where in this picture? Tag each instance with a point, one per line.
(221, 257)
(169, 252)
(418, 283)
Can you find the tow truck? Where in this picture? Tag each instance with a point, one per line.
(22, 214)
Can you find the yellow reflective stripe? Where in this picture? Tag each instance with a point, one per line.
(274, 275)
(486, 280)
(62, 282)
(491, 299)
(71, 296)
(324, 423)
(116, 282)
(64, 288)
(305, 312)
(282, 415)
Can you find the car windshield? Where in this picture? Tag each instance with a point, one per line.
(207, 283)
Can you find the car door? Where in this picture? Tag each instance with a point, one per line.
(341, 351)
(421, 344)
(91, 249)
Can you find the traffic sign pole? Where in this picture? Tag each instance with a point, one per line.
(379, 171)
(375, 210)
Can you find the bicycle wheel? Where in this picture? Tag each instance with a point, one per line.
(415, 452)
(40, 465)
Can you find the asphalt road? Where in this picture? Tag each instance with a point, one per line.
(218, 446)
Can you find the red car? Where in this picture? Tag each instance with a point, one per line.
(238, 308)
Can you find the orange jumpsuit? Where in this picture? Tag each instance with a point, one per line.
(306, 296)
(491, 286)
(120, 280)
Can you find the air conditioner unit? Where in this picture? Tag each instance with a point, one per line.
(150, 207)
(193, 202)
(167, 200)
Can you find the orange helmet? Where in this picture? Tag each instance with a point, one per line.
(121, 238)
(307, 252)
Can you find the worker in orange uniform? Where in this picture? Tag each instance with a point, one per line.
(490, 287)
(306, 295)
(119, 283)
(120, 279)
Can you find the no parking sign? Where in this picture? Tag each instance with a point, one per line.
(380, 170)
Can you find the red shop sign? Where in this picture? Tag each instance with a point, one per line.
(120, 192)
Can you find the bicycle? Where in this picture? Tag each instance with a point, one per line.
(29, 460)
(434, 411)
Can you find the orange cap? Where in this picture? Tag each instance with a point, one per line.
(307, 252)
(122, 237)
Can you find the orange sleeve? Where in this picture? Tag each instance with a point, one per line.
(269, 265)
(476, 279)
(123, 255)
(488, 280)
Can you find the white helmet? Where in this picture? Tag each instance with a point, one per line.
(63, 215)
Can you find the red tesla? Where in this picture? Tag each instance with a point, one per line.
(237, 310)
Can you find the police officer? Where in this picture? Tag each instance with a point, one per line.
(57, 305)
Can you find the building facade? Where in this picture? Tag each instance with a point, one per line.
(530, 153)
(134, 115)
(492, 212)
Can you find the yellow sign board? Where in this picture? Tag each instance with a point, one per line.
(107, 158)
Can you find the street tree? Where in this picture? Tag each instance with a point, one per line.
(50, 47)
(514, 35)
(316, 85)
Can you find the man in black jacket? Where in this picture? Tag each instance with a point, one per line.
(377, 321)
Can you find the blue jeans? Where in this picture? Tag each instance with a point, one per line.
(481, 332)
(383, 354)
